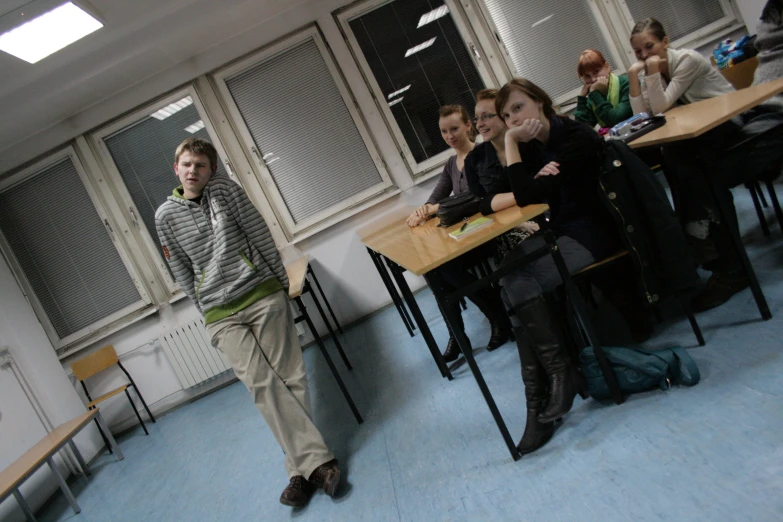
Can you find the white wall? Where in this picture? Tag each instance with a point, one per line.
(751, 12)
(42, 377)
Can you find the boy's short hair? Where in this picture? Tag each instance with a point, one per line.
(486, 94)
(198, 146)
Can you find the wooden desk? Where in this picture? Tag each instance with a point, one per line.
(297, 274)
(14, 475)
(423, 248)
(693, 120)
(299, 285)
(427, 246)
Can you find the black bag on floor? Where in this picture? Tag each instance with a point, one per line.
(454, 209)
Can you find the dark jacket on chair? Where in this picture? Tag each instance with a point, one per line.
(647, 223)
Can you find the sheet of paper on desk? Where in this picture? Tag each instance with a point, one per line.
(471, 226)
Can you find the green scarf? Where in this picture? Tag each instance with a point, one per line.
(612, 95)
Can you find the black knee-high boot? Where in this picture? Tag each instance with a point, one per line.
(452, 352)
(488, 301)
(537, 433)
(545, 340)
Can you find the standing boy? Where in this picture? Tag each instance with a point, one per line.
(223, 257)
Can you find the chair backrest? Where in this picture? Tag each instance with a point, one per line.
(88, 366)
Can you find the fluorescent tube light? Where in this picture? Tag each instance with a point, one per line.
(420, 47)
(395, 102)
(433, 15)
(396, 93)
(172, 108)
(542, 21)
(48, 33)
(195, 127)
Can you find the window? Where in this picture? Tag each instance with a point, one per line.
(138, 153)
(680, 18)
(64, 248)
(544, 40)
(298, 122)
(416, 60)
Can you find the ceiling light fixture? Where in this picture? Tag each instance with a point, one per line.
(47, 33)
(395, 93)
(195, 127)
(395, 102)
(172, 108)
(433, 15)
(420, 47)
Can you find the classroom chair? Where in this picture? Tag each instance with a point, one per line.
(95, 363)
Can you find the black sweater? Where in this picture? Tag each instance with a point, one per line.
(575, 208)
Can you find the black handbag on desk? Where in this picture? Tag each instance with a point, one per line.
(454, 209)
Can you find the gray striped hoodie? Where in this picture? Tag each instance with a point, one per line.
(220, 251)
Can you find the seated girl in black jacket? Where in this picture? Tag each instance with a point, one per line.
(557, 161)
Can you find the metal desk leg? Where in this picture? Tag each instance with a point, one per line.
(28, 513)
(410, 299)
(64, 486)
(308, 288)
(728, 220)
(306, 317)
(326, 301)
(79, 458)
(580, 310)
(109, 437)
(376, 259)
(464, 346)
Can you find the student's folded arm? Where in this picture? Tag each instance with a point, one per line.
(661, 100)
(256, 230)
(471, 175)
(583, 112)
(609, 114)
(178, 260)
(503, 201)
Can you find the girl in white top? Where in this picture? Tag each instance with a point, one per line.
(663, 76)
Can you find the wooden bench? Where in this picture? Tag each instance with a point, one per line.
(12, 477)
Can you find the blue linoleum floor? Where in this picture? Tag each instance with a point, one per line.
(429, 449)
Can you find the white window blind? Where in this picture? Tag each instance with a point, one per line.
(545, 39)
(678, 18)
(302, 128)
(64, 249)
(420, 62)
(144, 154)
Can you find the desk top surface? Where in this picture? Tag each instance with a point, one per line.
(297, 271)
(694, 119)
(427, 246)
(11, 476)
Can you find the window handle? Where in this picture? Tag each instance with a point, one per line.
(133, 215)
(108, 226)
(229, 168)
(257, 154)
(475, 51)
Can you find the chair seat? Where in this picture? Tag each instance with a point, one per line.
(604, 261)
(107, 395)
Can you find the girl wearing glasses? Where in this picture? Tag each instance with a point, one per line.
(459, 134)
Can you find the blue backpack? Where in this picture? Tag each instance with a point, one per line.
(639, 370)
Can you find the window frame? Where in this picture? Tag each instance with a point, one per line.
(708, 32)
(126, 210)
(111, 323)
(429, 167)
(340, 210)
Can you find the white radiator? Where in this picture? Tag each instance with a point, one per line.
(194, 359)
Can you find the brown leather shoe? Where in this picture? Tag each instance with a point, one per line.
(297, 493)
(327, 477)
